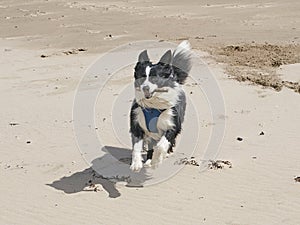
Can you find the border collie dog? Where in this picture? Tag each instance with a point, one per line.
(157, 112)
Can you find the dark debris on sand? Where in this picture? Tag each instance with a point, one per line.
(297, 179)
(187, 161)
(219, 164)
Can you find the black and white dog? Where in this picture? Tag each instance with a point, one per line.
(159, 106)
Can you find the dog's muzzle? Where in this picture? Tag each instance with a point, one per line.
(147, 93)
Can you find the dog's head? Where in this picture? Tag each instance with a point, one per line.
(153, 80)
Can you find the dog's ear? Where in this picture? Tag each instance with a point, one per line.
(143, 57)
(167, 58)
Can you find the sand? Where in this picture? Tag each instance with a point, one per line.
(46, 46)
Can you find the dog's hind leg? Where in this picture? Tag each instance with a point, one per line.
(151, 144)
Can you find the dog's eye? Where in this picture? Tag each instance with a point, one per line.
(152, 74)
(164, 71)
(139, 81)
(165, 74)
(139, 74)
(153, 78)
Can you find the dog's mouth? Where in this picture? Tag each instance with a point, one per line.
(148, 94)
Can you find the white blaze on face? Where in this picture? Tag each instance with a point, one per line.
(146, 83)
(148, 69)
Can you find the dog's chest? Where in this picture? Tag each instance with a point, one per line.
(154, 122)
(151, 118)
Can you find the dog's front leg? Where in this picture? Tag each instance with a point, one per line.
(160, 152)
(137, 161)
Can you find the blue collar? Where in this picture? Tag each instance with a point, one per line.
(151, 117)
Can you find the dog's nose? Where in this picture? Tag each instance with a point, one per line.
(146, 89)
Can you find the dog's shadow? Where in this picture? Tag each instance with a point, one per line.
(107, 170)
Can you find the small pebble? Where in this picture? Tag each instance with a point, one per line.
(13, 124)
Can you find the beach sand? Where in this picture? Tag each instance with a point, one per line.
(252, 48)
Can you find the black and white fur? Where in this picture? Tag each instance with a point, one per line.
(169, 73)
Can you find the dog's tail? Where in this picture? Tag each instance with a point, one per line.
(182, 61)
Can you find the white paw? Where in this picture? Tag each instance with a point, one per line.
(158, 157)
(136, 165)
(147, 163)
(155, 162)
(160, 152)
